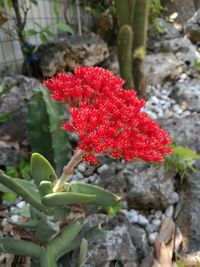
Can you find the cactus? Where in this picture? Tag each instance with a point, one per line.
(44, 202)
(133, 13)
(43, 123)
(140, 22)
(124, 51)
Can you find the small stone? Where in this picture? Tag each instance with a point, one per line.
(168, 114)
(79, 175)
(132, 215)
(15, 218)
(154, 100)
(21, 204)
(82, 167)
(175, 198)
(169, 211)
(92, 178)
(103, 168)
(142, 220)
(152, 237)
(156, 223)
(158, 214)
(150, 228)
(183, 76)
(152, 115)
(186, 113)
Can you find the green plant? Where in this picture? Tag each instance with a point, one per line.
(182, 161)
(134, 14)
(155, 12)
(47, 208)
(55, 145)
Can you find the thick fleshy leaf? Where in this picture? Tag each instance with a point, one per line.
(41, 169)
(64, 198)
(103, 197)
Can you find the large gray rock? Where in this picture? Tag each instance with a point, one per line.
(188, 93)
(9, 154)
(184, 50)
(188, 218)
(162, 67)
(192, 28)
(15, 91)
(115, 248)
(185, 131)
(68, 53)
(149, 186)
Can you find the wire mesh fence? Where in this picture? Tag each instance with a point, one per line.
(38, 15)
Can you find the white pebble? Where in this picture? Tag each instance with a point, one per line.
(150, 228)
(158, 214)
(21, 204)
(154, 100)
(102, 168)
(79, 175)
(152, 237)
(82, 167)
(174, 198)
(169, 211)
(142, 220)
(131, 215)
(156, 223)
(15, 218)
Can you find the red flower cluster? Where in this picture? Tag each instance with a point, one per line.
(107, 118)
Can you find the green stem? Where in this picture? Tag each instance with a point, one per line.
(20, 247)
(47, 259)
(69, 169)
(60, 244)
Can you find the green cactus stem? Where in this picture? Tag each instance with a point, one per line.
(140, 23)
(124, 52)
(125, 10)
(60, 244)
(45, 125)
(24, 189)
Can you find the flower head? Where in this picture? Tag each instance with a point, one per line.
(107, 118)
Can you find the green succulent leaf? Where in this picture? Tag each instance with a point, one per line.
(103, 197)
(41, 169)
(64, 198)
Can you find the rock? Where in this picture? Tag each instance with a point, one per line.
(82, 167)
(115, 247)
(131, 215)
(156, 223)
(169, 211)
(158, 214)
(142, 220)
(192, 28)
(185, 131)
(15, 91)
(149, 187)
(9, 154)
(152, 237)
(188, 218)
(102, 168)
(175, 198)
(187, 92)
(139, 240)
(70, 52)
(162, 67)
(183, 49)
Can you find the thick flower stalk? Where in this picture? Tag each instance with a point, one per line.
(108, 119)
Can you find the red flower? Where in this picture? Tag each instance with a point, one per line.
(84, 85)
(107, 118)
